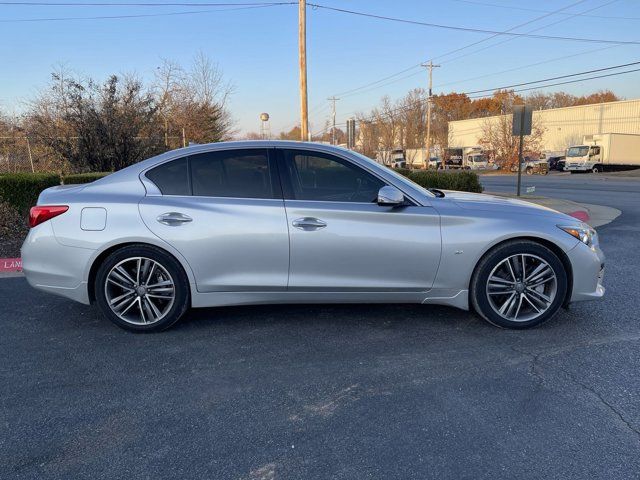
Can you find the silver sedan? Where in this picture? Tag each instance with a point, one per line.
(264, 222)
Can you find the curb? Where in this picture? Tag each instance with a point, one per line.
(8, 265)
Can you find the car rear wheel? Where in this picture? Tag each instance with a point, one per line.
(142, 289)
(529, 171)
(519, 284)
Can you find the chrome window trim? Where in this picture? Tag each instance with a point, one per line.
(357, 165)
(153, 190)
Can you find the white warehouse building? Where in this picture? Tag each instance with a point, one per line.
(562, 126)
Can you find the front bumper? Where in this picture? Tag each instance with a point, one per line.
(588, 272)
(577, 168)
(53, 267)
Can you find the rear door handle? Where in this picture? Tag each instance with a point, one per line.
(309, 223)
(173, 219)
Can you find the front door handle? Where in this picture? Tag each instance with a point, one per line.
(309, 223)
(173, 219)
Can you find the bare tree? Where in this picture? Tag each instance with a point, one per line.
(99, 127)
(497, 137)
(194, 102)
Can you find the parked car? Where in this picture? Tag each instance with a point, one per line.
(477, 161)
(399, 164)
(554, 161)
(531, 166)
(560, 165)
(261, 222)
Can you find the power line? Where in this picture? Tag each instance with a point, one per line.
(509, 30)
(421, 102)
(554, 78)
(474, 30)
(141, 15)
(144, 4)
(530, 31)
(362, 88)
(324, 7)
(522, 67)
(570, 81)
(525, 9)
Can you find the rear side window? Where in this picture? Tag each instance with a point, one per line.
(172, 178)
(232, 173)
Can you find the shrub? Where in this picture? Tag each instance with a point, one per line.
(463, 181)
(403, 171)
(84, 177)
(21, 190)
(13, 229)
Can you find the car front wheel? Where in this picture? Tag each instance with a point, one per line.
(519, 284)
(142, 289)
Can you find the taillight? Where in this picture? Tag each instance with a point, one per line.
(40, 214)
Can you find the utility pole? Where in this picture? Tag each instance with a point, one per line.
(333, 101)
(30, 157)
(302, 57)
(430, 66)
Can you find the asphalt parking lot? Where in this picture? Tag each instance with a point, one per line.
(340, 392)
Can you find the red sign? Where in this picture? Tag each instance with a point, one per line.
(580, 215)
(10, 264)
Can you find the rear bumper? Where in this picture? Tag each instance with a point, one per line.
(588, 273)
(55, 268)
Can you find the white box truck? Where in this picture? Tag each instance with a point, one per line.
(604, 152)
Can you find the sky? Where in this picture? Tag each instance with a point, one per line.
(257, 49)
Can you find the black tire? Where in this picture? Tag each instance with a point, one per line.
(478, 288)
(181, 300)
(529, 171)
(596, 169)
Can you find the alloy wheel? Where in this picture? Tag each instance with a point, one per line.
(522, 287)
(139, 290)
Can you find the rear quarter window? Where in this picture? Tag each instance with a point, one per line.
(171, 178)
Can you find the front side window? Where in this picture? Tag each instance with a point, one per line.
(232, 173)
(322, 177)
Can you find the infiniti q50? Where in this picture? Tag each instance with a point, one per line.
(265, 222)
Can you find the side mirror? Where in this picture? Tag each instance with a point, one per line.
(389, 196)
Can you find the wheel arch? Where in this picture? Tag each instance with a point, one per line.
(564, 258)
(95, 265)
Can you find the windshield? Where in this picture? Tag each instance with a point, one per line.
(577, 151)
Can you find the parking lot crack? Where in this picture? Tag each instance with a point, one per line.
(535, 369)
(604, 402)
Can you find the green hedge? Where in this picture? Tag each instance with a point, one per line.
(84, 177)
(460, 180)
(21, 190)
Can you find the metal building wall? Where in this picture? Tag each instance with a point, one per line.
(563, 126)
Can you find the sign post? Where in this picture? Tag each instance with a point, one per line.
(522, 121)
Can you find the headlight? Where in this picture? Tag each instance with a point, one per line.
(583, 232)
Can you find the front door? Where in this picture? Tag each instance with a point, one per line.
(223, 210)
(342, 240)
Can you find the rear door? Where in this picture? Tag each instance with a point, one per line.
(342, 240)
(223, 210)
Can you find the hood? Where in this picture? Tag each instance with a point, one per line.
(501, 205)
